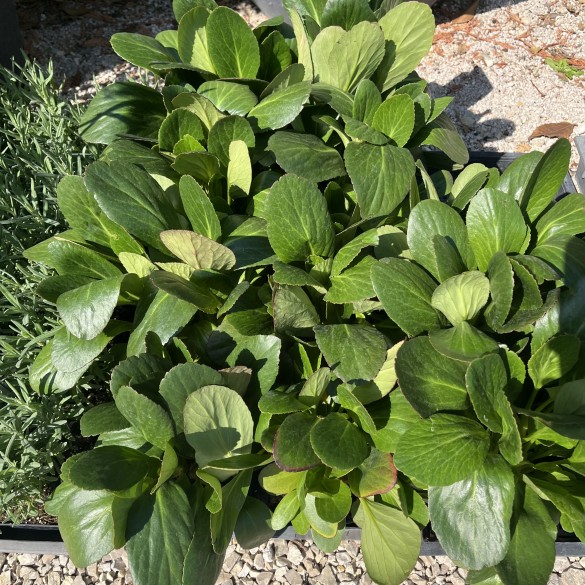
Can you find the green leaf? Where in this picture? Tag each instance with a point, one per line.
(338, 443)
(430, 381)
(501, 276)
(565, 217)
(408, 29)
(224, 522)
(224, 132)
(122, 108)
(101, 419)
(198, 251)
(69, 258)
(316, 522)
(405, 291)
(84, 215)
(376, 475)
(461, 298)
(202, 564)
(303, 44)
(278, 482)
(180, 382)
(495, 223)
(159, 531)
(390, 542)
(285, 510)
(239, 172)
(72, 356)
(341, 101)
(91, 523)
(168, 466)
(531, 554)
(260, 353)
(201, 106)
(144, 372)
(199, 209)
(217, 425)
(141, 50)
(353, 352)
(515, 177)
(346, 13)
(176, 126)
(299, 224)
(128, 195)
(253, 527)
(469, 181)
(87, 310)
(312, 8)
(569, 398)
(192, 39)
(112, 468)
(306, 155)
(380, 175)
(181, 7)
(442, 450)
(366, 102)
(463, 342)
(486, 380)
(195, 291)
(464, 513)
(329, 545)
(281, 107)
(566, 254)
(280, 402)
(353, 284)
(232, 98)
(443, 134)
(334, 506)
(546, 179)
(275, 56)
(554, 359)
(429, 219)
(165, 315)
(315, 387)
(342, 59)
(233, 48)
(240, 462)
(145, 416)
(292, 443)
(395, 118)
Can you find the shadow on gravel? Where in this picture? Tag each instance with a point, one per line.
(447, 10)
(467, 89)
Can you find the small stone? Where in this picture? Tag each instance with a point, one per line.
(365, 580)
(258, 562)
(327, 577)
(294, 555)
(243, 572)
(268, 553)
(5, 578)
(26, 560)
(263, 578)
(352, 547)
(555, 579)
(28, 573)
(293, 578)
(280, 548)
(230, 561)
(343, 558)
(344, 577)
(572, 577)
(119, 564)
(561, 564)
(92, 571)
(78, 580)
(279, 574)
(45, 559)
(53, 578)
(456, 580)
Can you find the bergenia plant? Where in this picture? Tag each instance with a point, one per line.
(269, 245)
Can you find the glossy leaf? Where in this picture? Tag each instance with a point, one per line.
(380, 175)
(465, 512)
(292, 444)
(442, 450)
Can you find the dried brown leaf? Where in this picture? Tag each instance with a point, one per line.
(468, 14)
(556, 130)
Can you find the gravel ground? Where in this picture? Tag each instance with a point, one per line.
(494, 67)
(278, 562)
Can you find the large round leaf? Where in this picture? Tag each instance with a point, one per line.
(217, 425)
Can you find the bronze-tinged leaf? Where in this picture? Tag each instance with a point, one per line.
(556, 130)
